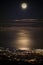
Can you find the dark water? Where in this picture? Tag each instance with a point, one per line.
(31, 37)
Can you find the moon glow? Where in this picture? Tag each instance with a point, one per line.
(24, 5)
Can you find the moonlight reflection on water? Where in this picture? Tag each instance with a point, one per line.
(21, 37)
(23, 40)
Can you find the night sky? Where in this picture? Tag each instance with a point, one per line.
(12, 9)
(12, 21)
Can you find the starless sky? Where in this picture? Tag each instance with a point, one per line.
(12, 9)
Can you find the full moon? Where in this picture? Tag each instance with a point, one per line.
(24, 5)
